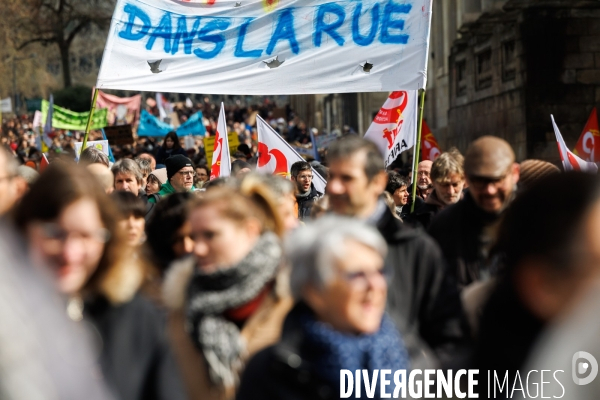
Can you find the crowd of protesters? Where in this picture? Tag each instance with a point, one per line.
(174, 286)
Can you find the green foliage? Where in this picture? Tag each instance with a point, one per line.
(76, 98)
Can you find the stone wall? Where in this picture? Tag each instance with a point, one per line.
(514, 67)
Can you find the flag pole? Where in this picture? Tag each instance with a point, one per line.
(89, 122)
(417, 151)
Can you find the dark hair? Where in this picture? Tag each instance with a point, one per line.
(217, 182)
(173, 136)
(298, 167)
(204, 167)
(61, 185)
(129, 204)
(244, 149)
(168, 217)
(91, 155)
(350, 145)
(395, 182)
(238, 165)
(532, 226)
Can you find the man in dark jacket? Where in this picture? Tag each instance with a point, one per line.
(302, 174)
(129, 178)
(464, 230)
(422, 300)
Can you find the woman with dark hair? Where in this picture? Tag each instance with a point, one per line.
(547, 247)
(72, 227)
(168, 231)
(132, 222)
(169, 148)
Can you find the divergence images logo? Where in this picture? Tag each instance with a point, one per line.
(584, 363)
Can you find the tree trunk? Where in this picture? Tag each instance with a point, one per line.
(66, 63)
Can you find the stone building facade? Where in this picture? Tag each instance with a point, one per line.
(513, 67)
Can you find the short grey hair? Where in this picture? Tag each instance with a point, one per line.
(91, 155)
(127, 166)
(312, 250)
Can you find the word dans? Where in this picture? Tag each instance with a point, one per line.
(212, 33)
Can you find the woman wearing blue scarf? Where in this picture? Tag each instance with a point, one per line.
(339, 321)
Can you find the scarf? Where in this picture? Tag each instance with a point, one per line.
(330, 350)
(211, 295)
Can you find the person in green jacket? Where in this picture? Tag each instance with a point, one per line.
(180, 177)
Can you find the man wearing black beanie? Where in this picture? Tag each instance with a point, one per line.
(180, 177)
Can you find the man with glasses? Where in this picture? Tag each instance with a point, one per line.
(463, 230)
(180, 177)
(423, 303)
(302, 176)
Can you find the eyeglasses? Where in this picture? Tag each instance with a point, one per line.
(187, 173)
(55, 237)
(360, 280)
(304, 177)
(481, 183)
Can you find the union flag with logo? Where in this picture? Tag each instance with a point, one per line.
(588, 145)
(430, 149)
(570, 161)
(394, 128)
(276, 156)
(221, 161)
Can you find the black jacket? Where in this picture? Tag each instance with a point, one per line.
(305, 203)
(422, 299)
(136, 360)
(282, 372)
(463, 232)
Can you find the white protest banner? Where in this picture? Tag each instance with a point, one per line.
(101, 145)
(221, 160)
(267, 47)
(276, 156)
(394, 128)
(6, 105)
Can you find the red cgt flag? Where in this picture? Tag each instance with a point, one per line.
(588, 145)
(430, 149)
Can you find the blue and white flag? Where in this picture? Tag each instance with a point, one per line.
(152, 126)
(48, 123)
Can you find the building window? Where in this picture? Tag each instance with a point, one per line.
(509, 61)
(484, 69)
(461, 78)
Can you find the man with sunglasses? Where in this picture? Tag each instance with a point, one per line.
(180, 177)
(463, 230)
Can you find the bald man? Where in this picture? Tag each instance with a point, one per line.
(463, 229)
(104, 175)
(424, 179)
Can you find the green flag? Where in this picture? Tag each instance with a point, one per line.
(74, 121)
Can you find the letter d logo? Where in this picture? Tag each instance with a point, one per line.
(580, 367)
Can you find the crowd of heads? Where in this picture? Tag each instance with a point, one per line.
(225, 248)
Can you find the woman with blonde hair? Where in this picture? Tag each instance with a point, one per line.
(228, 300)
(72, 228)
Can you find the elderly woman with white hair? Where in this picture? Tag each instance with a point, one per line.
(339, 320)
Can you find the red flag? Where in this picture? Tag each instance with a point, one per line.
(430, 149)
(588, 145)
(44, 163)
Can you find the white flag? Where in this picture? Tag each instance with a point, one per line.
(221, 160)
(394, 128)
(570, 161)
(5, 105)
(48, 123)
(164, 107)
(276, 156)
